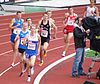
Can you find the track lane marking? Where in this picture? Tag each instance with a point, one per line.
(9, 41)
(45, 70)
(18, 62)
(3, 29)
(6, 52)
(9, 68)
(12, 50)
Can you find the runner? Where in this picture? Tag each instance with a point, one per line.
(44, 26)
(22, 47)
(15, 26)
(49, 13)
(68, 30)
(29, 21)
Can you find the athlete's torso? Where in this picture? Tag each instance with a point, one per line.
(32, 44)
(16, 22)
(45, 29)
(90, 10)
(22, 36)
(70, 20)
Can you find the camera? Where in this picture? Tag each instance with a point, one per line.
(93, 23)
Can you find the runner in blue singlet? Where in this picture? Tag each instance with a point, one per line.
(22, 47)
(15, 26)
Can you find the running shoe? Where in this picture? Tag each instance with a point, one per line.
(45, 55)
(12, 65)
(28, 79)
(41, 63)
(63, 54)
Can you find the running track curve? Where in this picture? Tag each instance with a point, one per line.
(60, 74)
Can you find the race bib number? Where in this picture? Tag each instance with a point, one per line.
(16, 31)
(31, 46)
(44, 33)
(71, 22)
(22, 40)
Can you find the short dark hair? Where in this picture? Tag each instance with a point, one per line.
(18, 12)
(77, 19)
(49, 11)
(69, 7)
(28, 19)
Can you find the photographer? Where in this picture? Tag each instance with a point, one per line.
(93, 23)
(80, 44)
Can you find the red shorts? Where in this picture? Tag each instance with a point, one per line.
(68, 29)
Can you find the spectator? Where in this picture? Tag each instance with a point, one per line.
(80, 44)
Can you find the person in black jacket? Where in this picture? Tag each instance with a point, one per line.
(80, 44)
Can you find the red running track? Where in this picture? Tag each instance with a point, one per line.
(60, 74)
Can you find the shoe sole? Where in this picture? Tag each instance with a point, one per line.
(41, 64)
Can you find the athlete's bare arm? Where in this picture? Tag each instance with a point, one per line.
(55, 28)
(39, 44)
(38, 26)
(11, 24)
(97, 12)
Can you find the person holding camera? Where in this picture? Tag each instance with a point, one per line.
(79, 34)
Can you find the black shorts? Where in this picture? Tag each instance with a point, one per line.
(43, 40)
(21, 50)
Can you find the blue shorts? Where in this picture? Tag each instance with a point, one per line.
(12, 37)
(30, 55)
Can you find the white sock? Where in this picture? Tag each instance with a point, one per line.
(64, 52)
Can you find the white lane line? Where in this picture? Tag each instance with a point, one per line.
(58, 47)
(45, 70)
(9, 41)
(8, 69)
(18, 62)
(50, 41)
(4, 24)
(5, 35)
(6, 52)
(11, 50)
(7, 29)
(5, 43)
(3, 29)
